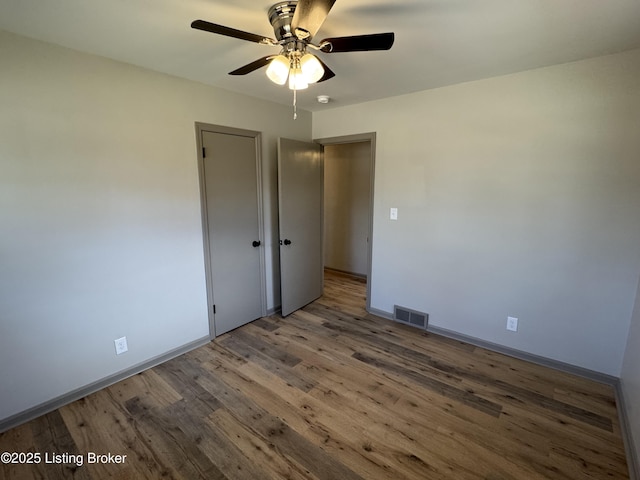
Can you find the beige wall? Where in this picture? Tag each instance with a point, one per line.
(347, 170)
(517, 196)
(100, 214)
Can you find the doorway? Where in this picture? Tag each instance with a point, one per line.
(348, 205)
(301, 211)
(230, 184)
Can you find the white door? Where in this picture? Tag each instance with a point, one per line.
(233, 234)
(300, 191)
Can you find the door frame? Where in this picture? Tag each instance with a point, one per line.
(257, 138)
(357, 138)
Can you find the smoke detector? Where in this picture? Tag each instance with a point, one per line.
(323, 98)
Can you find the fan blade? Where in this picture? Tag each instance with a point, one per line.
(231, 32)
(328, 73)
(250, 67)
(358, 43)
(309, 16)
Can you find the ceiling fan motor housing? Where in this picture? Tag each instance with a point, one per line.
(280, 16)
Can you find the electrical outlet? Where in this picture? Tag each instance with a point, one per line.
(512, 324)
(121, 345)
(393, 213)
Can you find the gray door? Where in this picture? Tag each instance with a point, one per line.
(232, 229)
(300, 190)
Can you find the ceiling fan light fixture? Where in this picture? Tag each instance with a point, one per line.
(297, 81)
(295, 23)
(311, 68)
(278, 69)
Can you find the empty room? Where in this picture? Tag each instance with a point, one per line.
(320, 239)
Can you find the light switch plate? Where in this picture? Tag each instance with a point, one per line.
(393, 213)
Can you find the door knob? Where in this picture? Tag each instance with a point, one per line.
(256, 243)
(287, 241)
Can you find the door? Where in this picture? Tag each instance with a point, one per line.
(232, 233)
(300, 192)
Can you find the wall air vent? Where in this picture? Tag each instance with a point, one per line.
(410, 317)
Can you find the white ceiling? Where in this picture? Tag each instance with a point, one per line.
(438, 42)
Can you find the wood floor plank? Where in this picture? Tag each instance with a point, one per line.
(51, 436)
(276, 354)
(532, 396)
(414, 410)
(317, 421)
(273, 430)
(265, 324)
(149, 384)
(416, 406)
(171, 446)
(441, 388)
(234, 463)
(278, 361)
(19, 440)
(182, 375)
(272, 465)
(338, 369)
(589, 462)
(601, 403)
(528, 437)
(598, 446)
(101, 425)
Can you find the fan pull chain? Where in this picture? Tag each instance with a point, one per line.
(295, 101)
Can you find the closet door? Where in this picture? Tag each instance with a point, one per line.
(233, 237)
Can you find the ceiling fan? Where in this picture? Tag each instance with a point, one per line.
(294, 24)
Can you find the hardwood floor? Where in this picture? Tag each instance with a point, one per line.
(331, 392)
